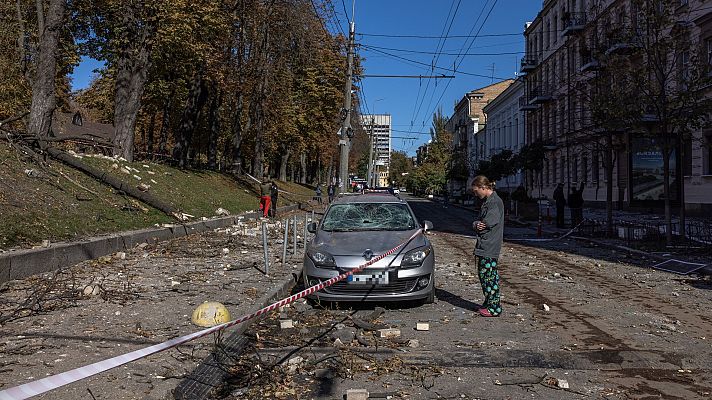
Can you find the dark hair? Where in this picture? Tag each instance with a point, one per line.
(483, 182)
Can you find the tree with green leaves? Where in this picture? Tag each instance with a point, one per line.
(654, 82)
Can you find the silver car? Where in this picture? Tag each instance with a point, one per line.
(356, 228)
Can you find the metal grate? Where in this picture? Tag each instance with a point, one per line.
(400, 286)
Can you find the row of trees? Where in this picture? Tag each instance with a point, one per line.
(250, 85)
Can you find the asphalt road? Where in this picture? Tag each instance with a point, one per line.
(579, 321)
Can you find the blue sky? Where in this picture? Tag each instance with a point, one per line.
(407, 100)
(403, 98)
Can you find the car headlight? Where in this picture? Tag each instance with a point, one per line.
(415, 257)
(322, 259)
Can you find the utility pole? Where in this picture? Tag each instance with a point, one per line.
(369, 178)
(344, 136)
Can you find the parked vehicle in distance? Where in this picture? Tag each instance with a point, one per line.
(357, 228)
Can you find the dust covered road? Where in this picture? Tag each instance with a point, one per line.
(612, 330)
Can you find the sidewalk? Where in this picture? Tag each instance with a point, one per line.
(550, 231)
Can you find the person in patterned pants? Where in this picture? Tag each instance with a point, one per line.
(490, 233)
(489, 280)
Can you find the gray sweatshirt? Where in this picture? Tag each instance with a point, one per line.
(489, 242)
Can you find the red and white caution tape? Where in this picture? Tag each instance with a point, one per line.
(43, 385)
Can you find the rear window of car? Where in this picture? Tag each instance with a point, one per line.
(368, 217)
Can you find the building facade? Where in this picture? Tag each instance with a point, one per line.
(465, 124)
(570, 46)
(379, 126)
(504, 130)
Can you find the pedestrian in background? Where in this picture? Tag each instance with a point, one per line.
(265, 198)
(318, 193)
(560, 205)
(490, 234)
(576, 205)
(273, 194)
(330, 191)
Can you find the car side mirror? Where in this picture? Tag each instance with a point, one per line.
(427, 225)
(311, 227)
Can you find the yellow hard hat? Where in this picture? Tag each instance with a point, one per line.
(210, 313)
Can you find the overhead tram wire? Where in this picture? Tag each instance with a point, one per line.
(432, 63)
(479, 16)
(468, 49)
(435, 62)
(436, 37)
(422, 63)
(445, 54)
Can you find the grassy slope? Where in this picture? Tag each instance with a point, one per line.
(51, 207)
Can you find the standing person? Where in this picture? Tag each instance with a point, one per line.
(490, 233)
(265, 199)
(330, 191)
(273, 194)
(560, 205)
(576, 205)
(318, 193)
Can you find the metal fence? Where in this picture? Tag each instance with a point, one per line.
(652, 234)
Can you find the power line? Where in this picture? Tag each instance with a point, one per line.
(438, 37)
(436, 67)
(345, 12)
(468, 49)
(409, 76)
(432, 63)
(441, 53)
(448, 84)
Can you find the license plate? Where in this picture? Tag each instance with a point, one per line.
(380, 278)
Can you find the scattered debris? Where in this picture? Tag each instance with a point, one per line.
(286, 324)
(222, 212)
(356, 394)
(546, 308)
(389, 333)
(422, 326)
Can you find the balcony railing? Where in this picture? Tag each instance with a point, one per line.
(622, 41)
(588, 61)
(528, 64)
(574, 22)
(525, 106)
(540, 94)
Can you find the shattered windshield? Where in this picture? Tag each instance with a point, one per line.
(368, 216)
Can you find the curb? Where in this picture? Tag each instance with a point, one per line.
(23, 263)
(212, 371)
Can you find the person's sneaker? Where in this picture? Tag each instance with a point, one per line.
(486, 313)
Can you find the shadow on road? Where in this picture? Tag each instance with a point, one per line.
(456, 300)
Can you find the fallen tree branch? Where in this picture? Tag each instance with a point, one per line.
(78, 184)
(13, 119)
(114, 182)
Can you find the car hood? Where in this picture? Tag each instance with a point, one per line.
(355, 243)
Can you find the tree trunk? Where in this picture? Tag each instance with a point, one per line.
(329, 172)
(283, 163)
(131, 75)
(21, 37)
(666, 192)
(680, 174)
(257, 162)
(114, 182)
(214, 122)
(151, 132)
(303, 165)
(189, 120)
(237, 135)
(608, 159)
(39, 6)
(43, 88)
(166, 122)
